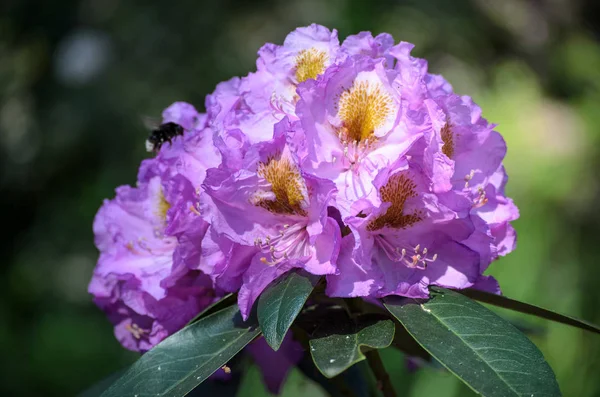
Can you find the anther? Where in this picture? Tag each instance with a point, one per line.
(135, 330)
(468, 178)
(194, 210)
(267, 262)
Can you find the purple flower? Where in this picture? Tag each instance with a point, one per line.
(365, 44)
(245, 104)
(272, 206)
(304, 55)
(405, 241)
(321, 138)
(149, 239)
(253, 104)
(136, 256)
(464, 157)
(353, 123)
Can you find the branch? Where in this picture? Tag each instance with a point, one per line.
(383, 379)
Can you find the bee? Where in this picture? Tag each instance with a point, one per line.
(163, 133)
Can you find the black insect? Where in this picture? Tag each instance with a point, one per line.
(161, 134)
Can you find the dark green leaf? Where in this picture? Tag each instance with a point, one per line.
(281, 302)
(511, 304)
(225, 301)
(483, 350)
(97, 389)
(351, 382)
(402, 339)
(339, 343)
(185, 359)
(404, 342)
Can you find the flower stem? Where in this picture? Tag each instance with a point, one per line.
(383, 379)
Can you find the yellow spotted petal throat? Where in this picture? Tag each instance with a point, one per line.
(309, 64)
(162, 206)
(286, 183)
(396, 191)
(362, 109)
(448, 139)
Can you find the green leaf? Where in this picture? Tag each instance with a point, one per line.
(339, 343)
(404, 342)
(185, 359)
(511, 304)
(225, 301)
(483, 350)
(99, 387)
(281, 302)
(402, 339)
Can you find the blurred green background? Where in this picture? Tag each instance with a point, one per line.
(77, 75)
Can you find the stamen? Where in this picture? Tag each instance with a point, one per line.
(135, 330)
(194, 210)
(481, 200)
(131, 247)
(416, 260)
(468, 178)
(290, 241)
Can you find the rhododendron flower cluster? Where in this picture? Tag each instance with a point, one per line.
(349, 161)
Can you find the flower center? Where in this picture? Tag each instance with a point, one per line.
(396, 191)
(309, 64)
(448, 139)
(287, 185)
(363, 108)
